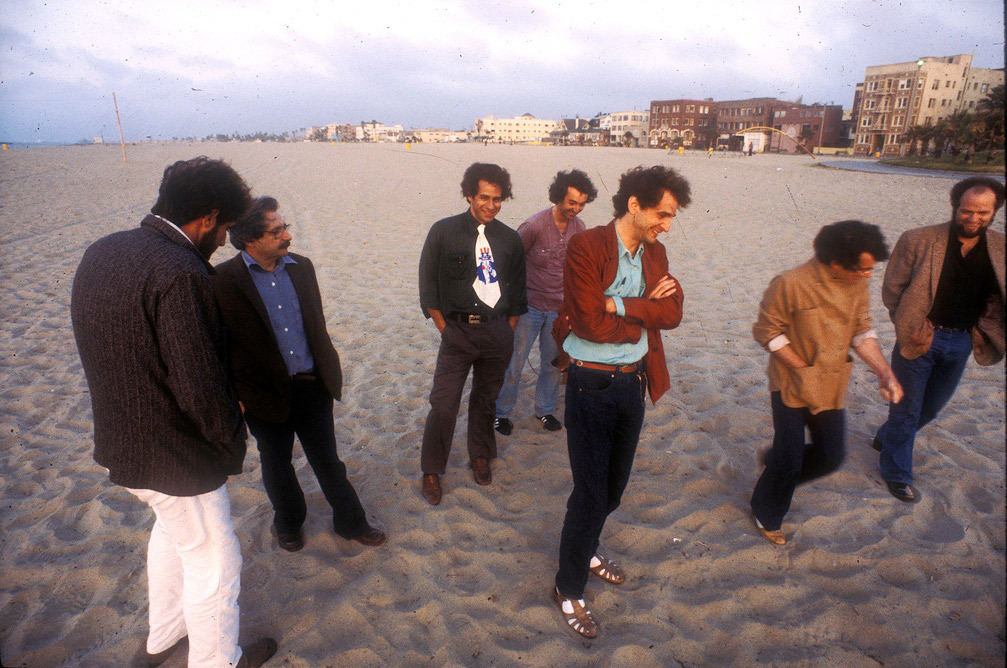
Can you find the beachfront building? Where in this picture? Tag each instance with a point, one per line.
(803, 128)
(626, 128)
(734, 117)
(900, 95)
(342, 132)
(523, 129)
(689, 123)
(435, 135)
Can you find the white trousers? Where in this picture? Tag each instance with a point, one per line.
(194, 576)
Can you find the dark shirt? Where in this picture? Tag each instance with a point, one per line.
(284, 309)
(448, 268)
(965, 285)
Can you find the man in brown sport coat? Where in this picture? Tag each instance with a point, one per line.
(944, 290)
(286, 372)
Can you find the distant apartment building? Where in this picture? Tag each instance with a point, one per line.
(378, 132)
(734, 117)
(690, 123)
(520, 130)
(802, 128)
(626, 128)
(342, 132)
(435, 135)
(900, 95)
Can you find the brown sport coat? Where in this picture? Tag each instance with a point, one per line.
(910, 286)
(258, 371)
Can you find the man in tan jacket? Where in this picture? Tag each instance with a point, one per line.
(809, 319)
(944, 290)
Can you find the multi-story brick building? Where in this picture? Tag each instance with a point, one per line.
(736, 116)
(898, 96)
(810, 126)
(691, 123)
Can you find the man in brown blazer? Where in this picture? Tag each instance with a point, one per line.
(286, 372)
(944, 290)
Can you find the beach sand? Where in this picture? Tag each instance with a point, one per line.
(864, 580)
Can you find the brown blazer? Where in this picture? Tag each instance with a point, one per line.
(592, 262)
(910, 286)
(258, 371)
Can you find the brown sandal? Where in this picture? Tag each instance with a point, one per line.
(578, 617)
(608, 570)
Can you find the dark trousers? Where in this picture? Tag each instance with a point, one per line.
(791, 462)
(311, 420)
(486, 350)
(604, 415)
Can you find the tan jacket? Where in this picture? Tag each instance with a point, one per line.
(820, 315)
(910, 286)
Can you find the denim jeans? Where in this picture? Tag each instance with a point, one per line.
(928, 381)
(604, 415)
(533, 324)
(791, 461)
(193, 576)
(311, 420)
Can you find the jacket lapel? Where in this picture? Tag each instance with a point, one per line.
(243, 279)
(937, 257)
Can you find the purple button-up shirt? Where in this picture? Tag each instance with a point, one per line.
(545, 253)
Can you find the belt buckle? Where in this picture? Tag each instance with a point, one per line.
(474, 319)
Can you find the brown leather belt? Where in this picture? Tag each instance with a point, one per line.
(618, 368)
(472, 318)
(308, 377)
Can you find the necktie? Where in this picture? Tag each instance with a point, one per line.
(486, 286)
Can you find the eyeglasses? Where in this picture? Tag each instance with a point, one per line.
(277, 232)
(860, 270)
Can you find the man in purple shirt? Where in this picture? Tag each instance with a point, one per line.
(545, 236)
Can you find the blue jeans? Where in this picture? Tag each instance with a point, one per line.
(928, 381)
(533, 324)
(604, 415)
(791, 461)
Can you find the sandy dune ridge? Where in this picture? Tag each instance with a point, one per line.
(864, 581)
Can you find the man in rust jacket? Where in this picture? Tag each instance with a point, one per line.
(618, 295)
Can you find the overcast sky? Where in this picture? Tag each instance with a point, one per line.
(183, 69)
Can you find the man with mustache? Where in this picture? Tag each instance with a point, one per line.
(286, 372)
(167, 425)
(545, 237)
(944, 290)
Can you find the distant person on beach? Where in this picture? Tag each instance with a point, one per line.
(472, 285)
(167, 424)
(545, 237)
(944, 290)
(617, 297)
(286, 372)
(809, 319)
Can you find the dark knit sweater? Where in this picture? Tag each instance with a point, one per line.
(153, 351)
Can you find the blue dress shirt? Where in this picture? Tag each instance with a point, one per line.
(284, 309)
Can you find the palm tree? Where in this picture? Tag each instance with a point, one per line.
(990, 111)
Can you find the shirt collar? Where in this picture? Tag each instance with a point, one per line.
(174, 226)
(476, 223)
(251, 261)
(623, 251)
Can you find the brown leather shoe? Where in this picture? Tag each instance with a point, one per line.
(481, 470)
(370, 536)
(432, 488)
(257, 653)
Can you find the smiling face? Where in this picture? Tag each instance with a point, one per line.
(647, 224)
(485, 204)
(572, 204)
(273, 243)
(975, 212)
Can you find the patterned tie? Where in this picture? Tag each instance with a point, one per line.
(486, 286)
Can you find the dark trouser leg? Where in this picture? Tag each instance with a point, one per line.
(276, 442)
(454, 358)
(604, 414)
(495, 341)
(312, 407)
(791, 462)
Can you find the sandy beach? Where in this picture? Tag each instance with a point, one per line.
(864, 580)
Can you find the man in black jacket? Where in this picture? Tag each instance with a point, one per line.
(167, 425)
(286, 372)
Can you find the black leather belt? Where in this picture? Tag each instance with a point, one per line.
(305, 377)
(472, 318)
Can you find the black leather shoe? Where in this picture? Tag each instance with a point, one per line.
(903, 492)
(876, 444)
(503, 425)
(160, 657)
(291, 542)
(370, 536)
(550, 423)
(256, 654)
